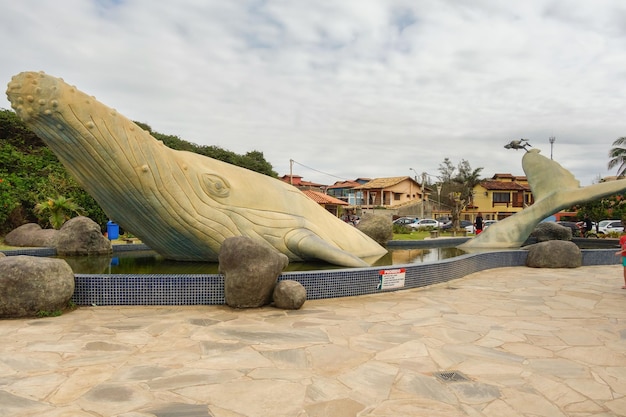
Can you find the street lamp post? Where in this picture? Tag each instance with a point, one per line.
(421, 205)
(551, 139)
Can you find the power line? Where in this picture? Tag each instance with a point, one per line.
(317, 170)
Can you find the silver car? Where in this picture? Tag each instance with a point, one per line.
(607, 226)
(424, 223)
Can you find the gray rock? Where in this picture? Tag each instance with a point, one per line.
(82, 236)
(379, 228)
(31, 235)
(250, 270)
(554, 254)
(289, 295)
(545, 231)
(31, 284)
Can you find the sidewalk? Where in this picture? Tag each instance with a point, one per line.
(530, 342)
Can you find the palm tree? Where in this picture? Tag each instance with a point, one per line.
(59, 210)
(618, 156)
(467, 179)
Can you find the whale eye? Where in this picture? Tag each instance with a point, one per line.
(214, 185)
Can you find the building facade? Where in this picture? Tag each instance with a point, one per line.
(499, 197)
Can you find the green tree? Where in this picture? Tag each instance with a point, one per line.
(446, 169)
(458, 184)
(253, 160)
(611, 207)
(467, 178)
(9, 198)
(618, 156)
(30, 172)
(58, 210)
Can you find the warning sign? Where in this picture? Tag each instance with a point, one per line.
(391, 278)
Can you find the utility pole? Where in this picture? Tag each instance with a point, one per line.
(551, 139)
(423, 194)
(291, 171)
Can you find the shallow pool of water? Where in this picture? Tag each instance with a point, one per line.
(149, 262)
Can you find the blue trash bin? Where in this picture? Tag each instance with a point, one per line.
(113, 230)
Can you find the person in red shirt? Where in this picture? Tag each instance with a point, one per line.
(622, 252)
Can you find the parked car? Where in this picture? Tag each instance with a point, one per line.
(424, 223)
(468, 226)
(607, 226)
(488, 223)
(405, 220)
(464, 224)
(572, 225)
(444, 221)
(447, 224)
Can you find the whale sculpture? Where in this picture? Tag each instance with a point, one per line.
(554, 188)
(182, 205)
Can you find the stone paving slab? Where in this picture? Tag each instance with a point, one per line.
(530, 342)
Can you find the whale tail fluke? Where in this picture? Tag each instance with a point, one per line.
(546, 176)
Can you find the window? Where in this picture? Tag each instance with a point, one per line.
(528, 199)
(501, 197)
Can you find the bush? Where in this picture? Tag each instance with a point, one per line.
(401, 229)
(9, 201)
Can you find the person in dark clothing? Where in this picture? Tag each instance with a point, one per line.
(479, 223)
(585, 226)
(588, 223)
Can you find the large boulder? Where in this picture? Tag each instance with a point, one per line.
(31, 235)
(250, 270)
(545, 231)
(82, 236)
(379, 228)
(554, 254)
(30, 285)
(289, 295)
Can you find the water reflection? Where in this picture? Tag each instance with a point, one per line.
(418, 255)
(149, 262)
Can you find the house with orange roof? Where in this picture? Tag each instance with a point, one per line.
(346, 191)
(298, 182)
(391, 192)
(499, 197)
(330, 203)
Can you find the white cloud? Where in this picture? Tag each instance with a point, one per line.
(351, 88)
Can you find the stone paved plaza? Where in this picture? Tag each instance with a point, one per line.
(503, 342)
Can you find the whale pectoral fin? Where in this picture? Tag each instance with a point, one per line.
(308, 245)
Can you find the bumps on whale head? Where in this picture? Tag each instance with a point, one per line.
(24, 92)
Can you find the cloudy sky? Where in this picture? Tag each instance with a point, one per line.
(345, 88)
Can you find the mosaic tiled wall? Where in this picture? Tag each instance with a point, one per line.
(209, 289)
(161, 289)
